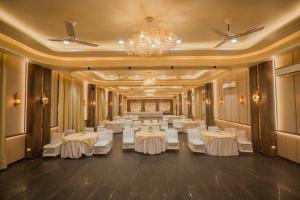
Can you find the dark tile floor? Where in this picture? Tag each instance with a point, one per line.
(172, 175)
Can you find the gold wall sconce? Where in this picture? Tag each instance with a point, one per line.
(84, 102)
(207, 101)
(241, 99)
(221, 101)
(45, 100)
(256, 98)
(93, 103)
(16, 100)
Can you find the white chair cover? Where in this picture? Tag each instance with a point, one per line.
(244, 145)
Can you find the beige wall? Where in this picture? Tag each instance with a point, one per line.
(15, 116)
(231, 109)
(288, 106)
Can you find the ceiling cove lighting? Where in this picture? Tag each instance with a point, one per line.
(150, 81)
(233, 40)
(151, 41)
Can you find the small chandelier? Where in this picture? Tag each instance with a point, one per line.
(151, 42)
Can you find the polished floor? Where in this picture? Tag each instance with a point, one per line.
(172, 175)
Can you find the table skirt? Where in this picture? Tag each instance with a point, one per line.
(222, 147)
(75, 149)
(151, 145)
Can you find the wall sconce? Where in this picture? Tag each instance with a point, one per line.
(207, 101)
(93, 103)
(84, 102)
(221, 101)
(256, 98)
(16, 100)
(241, 99)
(45, 100)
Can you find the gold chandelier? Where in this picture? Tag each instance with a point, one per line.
(151, 42)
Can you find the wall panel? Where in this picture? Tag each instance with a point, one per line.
(297, 94)
(286, 111)
(283, 59)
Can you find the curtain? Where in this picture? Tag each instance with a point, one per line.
(100, 106)
(198, 102)
(70, 103)
(54, 98)
(3, 163)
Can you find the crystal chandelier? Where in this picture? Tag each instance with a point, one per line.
(151, 42)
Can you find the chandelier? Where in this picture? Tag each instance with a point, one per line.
(151, 42)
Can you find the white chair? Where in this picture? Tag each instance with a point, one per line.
(164, 124)
(244, 145)
(136, 125)
(101, 124)
(202, 127)
(172, 139)
(194, 141)
(127, 124)
(213, 128)
(230, 130)
(177, 124)
(165, 117)
(128, 139)
(147, 122)
(101, 129)
(54, 148)
(69, 132)
(104, 142)
(88, 129)
(154, 121)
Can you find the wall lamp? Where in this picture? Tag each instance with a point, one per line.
(207, 101)
(16, 100)
(45, 100)
(241, 99)
(93, 103)
(256, 98)
(221, 101)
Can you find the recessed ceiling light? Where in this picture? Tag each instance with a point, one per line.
(121, 41)
(233, 40)
(178, 41)
(66, 42)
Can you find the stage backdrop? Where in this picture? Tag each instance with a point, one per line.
(149, 105)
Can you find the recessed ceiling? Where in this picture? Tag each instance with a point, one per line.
(106, 22)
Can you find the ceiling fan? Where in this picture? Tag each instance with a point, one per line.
(70, 29)
(233, 38)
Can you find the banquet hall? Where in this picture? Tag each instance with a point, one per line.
(140, 99)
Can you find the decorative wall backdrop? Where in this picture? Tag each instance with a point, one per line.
(149, 105)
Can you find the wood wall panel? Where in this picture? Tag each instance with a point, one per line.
(286, 111)
(91, 106)
(110, 106)
(227, 100)
(209, 107)
(234, 99)
(242, 92)
(189, 100)
(253, 84)
(267, 108)
(47, 108)
(284, 59)
(38, 115)
(221, 106)
(297, 94)
(180, 104)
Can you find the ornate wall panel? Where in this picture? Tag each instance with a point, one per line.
(149, 105)
(164, 106)
(135, 107)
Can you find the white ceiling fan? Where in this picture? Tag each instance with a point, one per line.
(233, 38)
(70, 29)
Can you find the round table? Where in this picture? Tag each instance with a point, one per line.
(220, 144)
(74, 145)
(115, 126)
(150, 142)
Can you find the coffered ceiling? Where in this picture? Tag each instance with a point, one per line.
(25, 27)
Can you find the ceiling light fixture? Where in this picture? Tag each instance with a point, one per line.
(121, 41)
(66, 42)
(152, 41)
(149, 81)
(178, 41)
(233, 40)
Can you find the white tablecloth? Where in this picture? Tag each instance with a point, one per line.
(74, 145)
(150, 142)
(188, 125)
(220, 144)
(115, 126)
